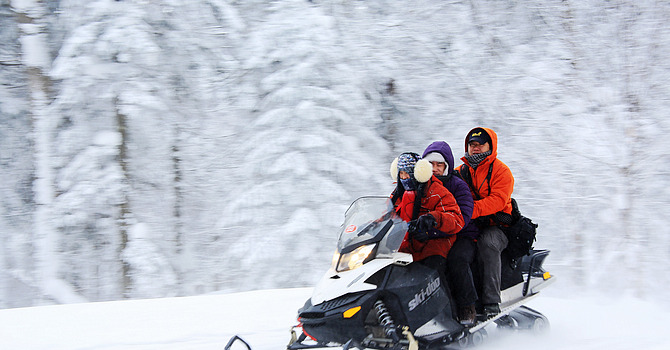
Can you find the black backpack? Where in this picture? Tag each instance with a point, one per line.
(520, 235)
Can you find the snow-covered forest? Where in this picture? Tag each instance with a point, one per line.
(179, 147)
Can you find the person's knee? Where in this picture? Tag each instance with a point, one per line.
(492, 239)
(487, 244)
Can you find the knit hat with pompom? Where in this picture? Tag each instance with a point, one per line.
(419, 169)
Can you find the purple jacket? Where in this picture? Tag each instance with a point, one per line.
(457, 187)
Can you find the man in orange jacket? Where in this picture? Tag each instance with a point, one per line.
(491, 183)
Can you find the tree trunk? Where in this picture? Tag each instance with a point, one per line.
(125, 212)
(33, 38)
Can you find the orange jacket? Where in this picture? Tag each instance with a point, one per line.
(502, 181)
(440, 203)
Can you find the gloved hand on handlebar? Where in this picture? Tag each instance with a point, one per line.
(419, 229)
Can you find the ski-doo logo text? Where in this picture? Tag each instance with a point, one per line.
(423, 294)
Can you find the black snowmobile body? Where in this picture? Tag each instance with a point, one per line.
(326, 326)
(412, 296)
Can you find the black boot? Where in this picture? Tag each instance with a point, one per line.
(467, 315)
(491, 310)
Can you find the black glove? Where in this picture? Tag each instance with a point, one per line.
(482, 222)
(419, 228)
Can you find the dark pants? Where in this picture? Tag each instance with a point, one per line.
(459, 271)
(490, 244)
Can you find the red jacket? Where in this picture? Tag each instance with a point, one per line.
(502, 182)
(440, 203)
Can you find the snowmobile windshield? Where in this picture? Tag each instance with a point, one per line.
(372, 220)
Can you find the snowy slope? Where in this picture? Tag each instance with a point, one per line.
(264, 318)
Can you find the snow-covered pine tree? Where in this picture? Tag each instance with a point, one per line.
(201, 44)
(114, 155)
(309, 150)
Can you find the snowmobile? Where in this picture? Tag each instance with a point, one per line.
(374, 297)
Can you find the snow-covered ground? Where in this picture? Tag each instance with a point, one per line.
(264, 318)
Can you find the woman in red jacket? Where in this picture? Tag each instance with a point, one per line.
(433, 214)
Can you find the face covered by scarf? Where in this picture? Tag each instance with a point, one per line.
(408, 184)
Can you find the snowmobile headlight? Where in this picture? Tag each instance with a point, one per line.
(355, 258)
